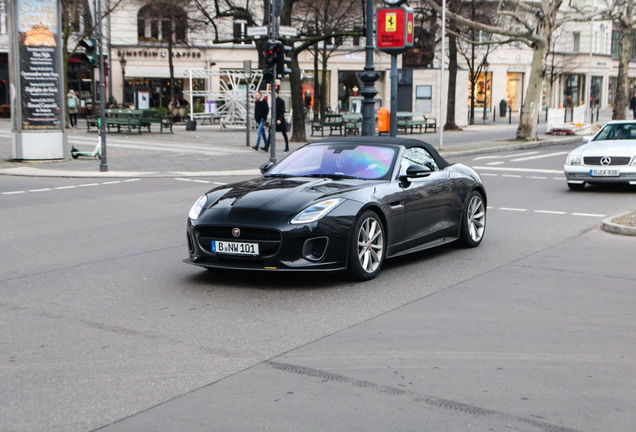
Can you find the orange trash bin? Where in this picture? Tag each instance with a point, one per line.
(384, 120)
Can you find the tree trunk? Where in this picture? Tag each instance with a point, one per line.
(452, 84)
(324, 87)
(622, 84)
(527, 129)
(298, 108)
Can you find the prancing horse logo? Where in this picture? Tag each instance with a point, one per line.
(236, 232)
(606, 160)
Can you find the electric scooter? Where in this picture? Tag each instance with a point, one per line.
(96, 153)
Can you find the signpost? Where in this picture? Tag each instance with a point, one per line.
(394, 36)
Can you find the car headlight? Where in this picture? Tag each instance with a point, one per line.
(195, 211)
(574, 159)
(316, 211)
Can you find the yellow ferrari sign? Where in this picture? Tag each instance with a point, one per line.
(390, 23)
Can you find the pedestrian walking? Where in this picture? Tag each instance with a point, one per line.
(281, 124)
(632, 105)
(72, 103)
(261, 111)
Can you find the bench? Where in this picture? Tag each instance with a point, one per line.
(408, 121)
(429, 123)
(149, 117)
(123, 117)
(92, 121)
(208, 118)
(352, 123)
(332, 121)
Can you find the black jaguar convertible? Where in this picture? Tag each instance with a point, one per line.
(339, 204)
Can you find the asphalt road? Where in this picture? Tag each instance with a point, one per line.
(103, 326)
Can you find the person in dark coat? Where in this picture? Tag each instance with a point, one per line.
(261, 111)
(632, 105)
(281, 126)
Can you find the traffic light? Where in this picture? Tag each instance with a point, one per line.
(270, 54)
(283, 62)
(90, 48)
(268, 75)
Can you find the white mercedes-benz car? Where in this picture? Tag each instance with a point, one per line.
(607, 157)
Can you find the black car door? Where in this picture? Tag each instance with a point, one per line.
(428, 201)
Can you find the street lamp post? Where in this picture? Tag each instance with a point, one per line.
(369, 77)
(122, 63)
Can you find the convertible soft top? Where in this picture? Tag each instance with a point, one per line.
(397, 141)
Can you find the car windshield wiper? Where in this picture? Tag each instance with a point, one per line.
(333, 176)
(281, 175)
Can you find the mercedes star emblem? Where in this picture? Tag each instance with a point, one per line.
(606, 160)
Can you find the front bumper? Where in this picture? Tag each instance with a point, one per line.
(582, 174)
(321, 245)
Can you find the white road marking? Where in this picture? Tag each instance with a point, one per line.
(513, 209)
(506, 157)
(495, 163)
(538, 156)
(528, 170)
(589, 215)
(58, 188)
(551, 212)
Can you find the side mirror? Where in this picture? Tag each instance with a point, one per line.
(587, 139)
(418, 171)
(266, 167)
(414, 171)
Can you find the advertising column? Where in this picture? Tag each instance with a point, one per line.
(37, 84)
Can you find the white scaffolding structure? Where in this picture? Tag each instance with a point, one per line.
(224, 96)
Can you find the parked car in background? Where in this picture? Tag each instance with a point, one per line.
(607, 157)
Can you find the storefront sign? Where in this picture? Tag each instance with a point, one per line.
(40, 83)
(394, 29)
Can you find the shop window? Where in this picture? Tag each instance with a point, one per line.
(577, 42)
(483, 90)
(3, 19)
(160, 22)
(240, 31)
(82, 18)
(424, 99)
(514, 90)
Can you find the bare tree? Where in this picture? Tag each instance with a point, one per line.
(624, 13)
(532, 24)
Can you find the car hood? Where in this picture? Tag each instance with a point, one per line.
(608, 148)
(254, 200)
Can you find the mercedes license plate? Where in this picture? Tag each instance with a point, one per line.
(234, 248)
(605, 173)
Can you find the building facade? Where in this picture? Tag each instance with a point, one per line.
(582, 64)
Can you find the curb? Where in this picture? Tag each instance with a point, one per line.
(39, 172)
(611, 227)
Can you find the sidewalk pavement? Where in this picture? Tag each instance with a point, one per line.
(208, 151)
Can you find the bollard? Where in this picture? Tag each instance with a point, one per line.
(509, 114)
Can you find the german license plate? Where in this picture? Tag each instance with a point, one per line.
(605, 173)
(234, 248)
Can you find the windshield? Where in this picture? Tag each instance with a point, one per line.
(621, 131)
(338, 160)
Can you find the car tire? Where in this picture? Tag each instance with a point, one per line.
(473, 220)
(576, 186)
(367, 247)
